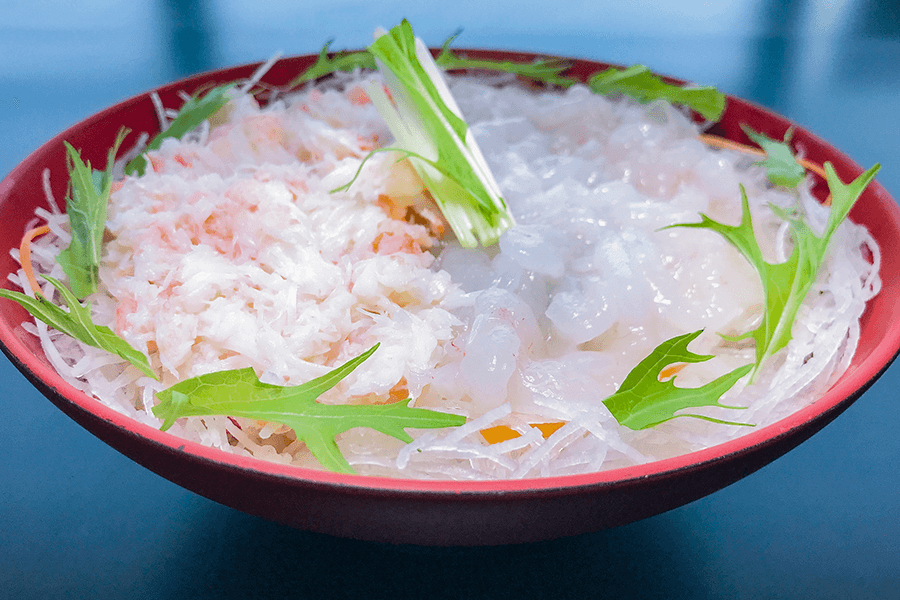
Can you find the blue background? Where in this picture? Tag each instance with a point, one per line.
(78, 520)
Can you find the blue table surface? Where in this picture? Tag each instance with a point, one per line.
(78, 520)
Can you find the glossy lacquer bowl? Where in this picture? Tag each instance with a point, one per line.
(438, 512)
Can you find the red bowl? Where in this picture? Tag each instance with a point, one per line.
(438, 512)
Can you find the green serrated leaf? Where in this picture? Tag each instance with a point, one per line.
(341, 61)
(640, 83)
(546, 70)
(644, 401)
(77, 323)
(786, 285)
(195, 110)
(636, 81)
(781, 166)
(239, 393)
(86, 205)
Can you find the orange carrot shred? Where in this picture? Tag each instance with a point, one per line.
(720, 142)
(671, 371)
(502, 433)
(25, 255)
(547, 429)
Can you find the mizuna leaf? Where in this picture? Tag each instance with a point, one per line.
(644, 401)
(341, 61)
(194, 111)
(546, 70)
(638, 82)
(77, 323)
(86, 208)
(239, 393)
(785, 285)
(781, 166)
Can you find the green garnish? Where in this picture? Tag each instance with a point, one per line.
(640, 83)
(341, 61)
(644, 401)
(547, 70)
(785, 285)
(239, 393)
(424, 119)
(636, 81)
(195, 110)
(781, 166)
(86, 207)
(77, 323)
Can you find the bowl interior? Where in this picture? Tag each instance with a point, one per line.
(219, 475)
